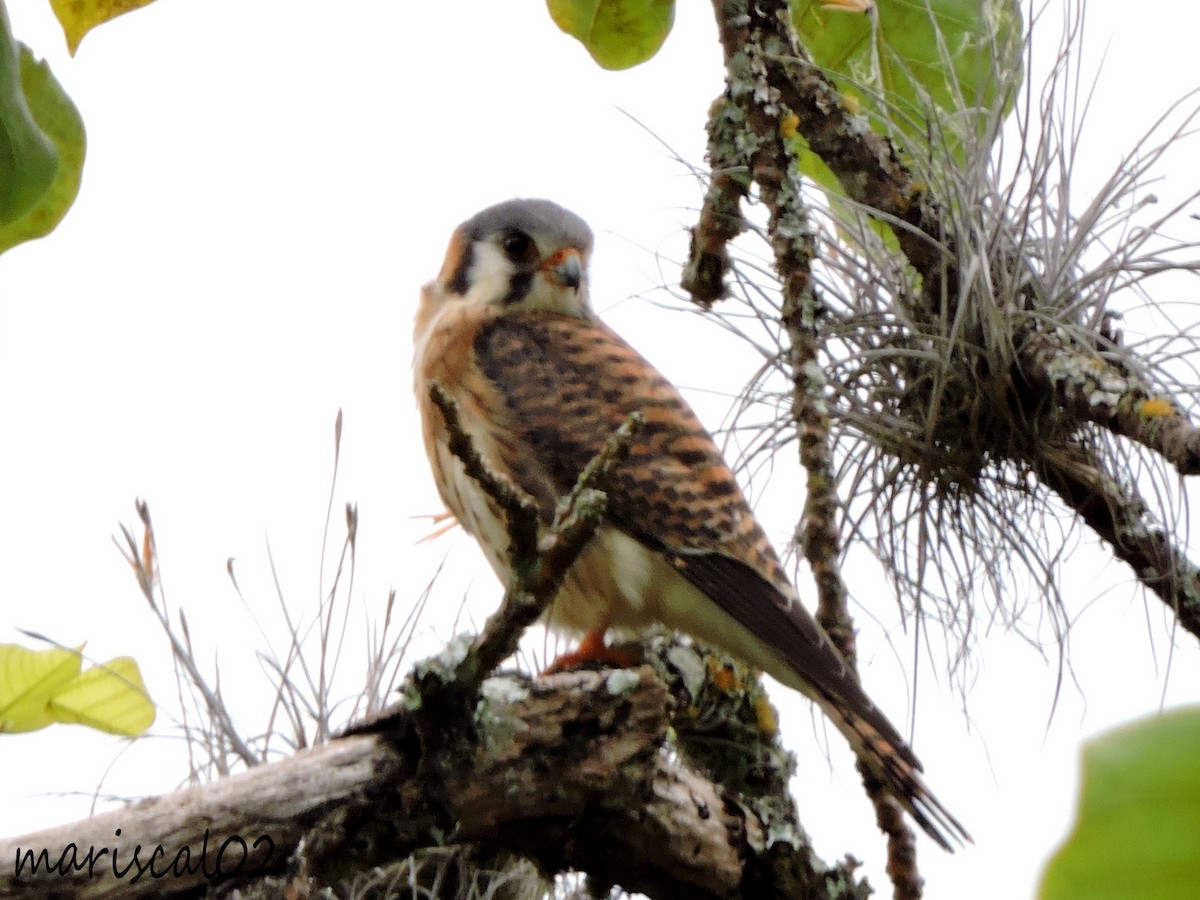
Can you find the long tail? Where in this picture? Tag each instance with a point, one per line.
(898, 768)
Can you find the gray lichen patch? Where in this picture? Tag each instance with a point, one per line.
(621, 681)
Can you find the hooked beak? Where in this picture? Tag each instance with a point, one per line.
(564, 268)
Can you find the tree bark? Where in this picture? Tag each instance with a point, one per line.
(566, 770)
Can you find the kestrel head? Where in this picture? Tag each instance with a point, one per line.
(527, 254)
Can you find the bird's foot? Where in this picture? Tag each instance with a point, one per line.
(592, 650)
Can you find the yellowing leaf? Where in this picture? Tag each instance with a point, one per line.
(111, 698)
(78, 17)
(618, 33)
(39, 687)
(28, 681)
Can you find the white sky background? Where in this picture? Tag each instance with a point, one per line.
(265, 191)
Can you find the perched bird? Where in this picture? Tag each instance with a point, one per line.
(541, 383)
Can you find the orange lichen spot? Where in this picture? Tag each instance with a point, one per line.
(789, 125)
(723, 676)
(1156, 408)
(764, 712)
(851, 103)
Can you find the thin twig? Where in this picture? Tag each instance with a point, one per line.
(144, 561)
(518, 508)
(538, 565)
(792, 239)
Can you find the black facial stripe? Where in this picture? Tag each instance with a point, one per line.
(459, 281)
(518, 288)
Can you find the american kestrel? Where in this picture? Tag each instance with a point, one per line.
(541, 383)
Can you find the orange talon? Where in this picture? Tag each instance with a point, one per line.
(591, 649)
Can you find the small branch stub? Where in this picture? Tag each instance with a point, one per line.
(540, 562)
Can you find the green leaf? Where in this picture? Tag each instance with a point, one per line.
(931, 72)
(28, 159)
(618, 33)
(41, 145)
(1138, 827)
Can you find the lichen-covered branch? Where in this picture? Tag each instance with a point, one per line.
(720, 218)
(754, 45)
(765, 127)
(1094, 390)
(1121, 517)
(762, 57)
(565, 770)
(989, 361)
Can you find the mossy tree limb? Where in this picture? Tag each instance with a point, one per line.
(566, 770)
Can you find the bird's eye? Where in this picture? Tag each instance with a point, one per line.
(518, 246)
